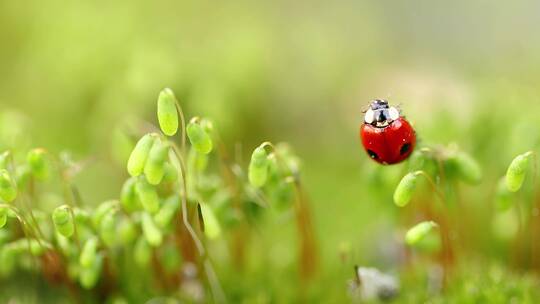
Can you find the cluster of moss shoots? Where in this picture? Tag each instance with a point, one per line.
(439, 226)
(178, 198)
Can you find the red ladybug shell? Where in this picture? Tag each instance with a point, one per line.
(390, 144)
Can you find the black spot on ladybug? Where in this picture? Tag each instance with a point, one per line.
(372, 154)
(405, 148)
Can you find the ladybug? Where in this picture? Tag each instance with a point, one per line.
(386, 135)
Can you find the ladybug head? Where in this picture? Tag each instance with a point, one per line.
(380, 114)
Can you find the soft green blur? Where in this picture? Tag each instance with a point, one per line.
(464, 72)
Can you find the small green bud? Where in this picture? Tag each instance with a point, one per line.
(137, 159)
(8, 190)
(107, 228)
(515, 175)
(147, 195)
(39, 167)
(166, 214)
(128, 196)
(166, 112)
(142, 252)
(90, 274)
(468, 169)
(3, 216)
(405, 189)
(88, 253)
(503, 197)
(101, 211)
(212, 229)
(154, 168)
(127, 232)
(63, 221)
(419, 232)
(258, 167)
(199, 138)
(152, 233)
(197, 162)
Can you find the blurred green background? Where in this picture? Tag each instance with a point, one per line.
(465, 72)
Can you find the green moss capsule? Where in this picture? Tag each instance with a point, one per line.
(199, 138)
(128, 196)
(107, 228)
(127, 231)
(8, 190)
(137, 159)
(467, 168)
(142, 252)
(88, 253)
(515, 175)
(152, 233)
(503, 197)
(3, 216)
(101, 211)
(258, 167)
(155, 164)
(37, 161)
(419, 232)
(167, 113)
(405, 189)
(212, 229)
(89, 275)
(167, 212)
(63, 221)
(197, 162)
(147, 195)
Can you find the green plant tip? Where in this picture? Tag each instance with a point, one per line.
(152, 233)
(88, 253)
(8, 190)
(137, 159)
(258, 167)
(468, 168)
(167, 113)
(39, 168)
(419, 232)
(199, 138)
(154, 169)
(63, 221)
(515, 175)
(147, 195)
(405, 189)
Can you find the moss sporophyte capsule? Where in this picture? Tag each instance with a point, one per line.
(405, 189)
(199, 137)
(8, 189)
(418, 232)
(36, 159)
(515, 175)
(63, 221)
(258, 167)
(147, 195)
(154, 168)
(167, 113)
(139, 155)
